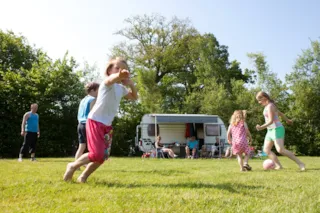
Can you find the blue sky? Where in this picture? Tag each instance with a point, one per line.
(280, 29)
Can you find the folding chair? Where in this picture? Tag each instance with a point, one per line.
(261, 154)
(210, 149)
(196, 154)
(204, 152)
(252, 152)
(160, 153)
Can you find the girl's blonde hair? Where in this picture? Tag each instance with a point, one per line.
(236, 117)
(117, 60)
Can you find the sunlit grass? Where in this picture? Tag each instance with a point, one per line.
(160, 185)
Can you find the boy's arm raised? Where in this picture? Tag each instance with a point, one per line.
(133, 94)
(116, 77)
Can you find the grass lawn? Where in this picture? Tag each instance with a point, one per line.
(160, 185)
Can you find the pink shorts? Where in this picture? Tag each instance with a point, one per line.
(99, 139)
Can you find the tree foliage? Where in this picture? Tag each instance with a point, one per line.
(173, 61)
(35, 78)
(304, 83)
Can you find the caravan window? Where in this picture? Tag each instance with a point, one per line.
(151, 130)
(212, 130)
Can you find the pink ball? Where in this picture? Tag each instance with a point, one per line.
(268, 164)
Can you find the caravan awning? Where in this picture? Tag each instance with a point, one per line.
(186, 119)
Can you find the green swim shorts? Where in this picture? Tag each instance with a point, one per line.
(276, 133)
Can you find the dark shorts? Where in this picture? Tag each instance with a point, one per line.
(82, 133)
(191, 148)
(30, 141)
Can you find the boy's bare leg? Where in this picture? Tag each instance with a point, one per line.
(72, 167)
(91, 167)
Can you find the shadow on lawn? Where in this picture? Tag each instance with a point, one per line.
(312, 169)
(166, 172)
(54, 160)
(230, 187)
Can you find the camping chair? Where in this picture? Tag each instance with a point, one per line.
(159, 152)
(261, 154)
(196, 154)
(217, 149)
(204, 153)
(252, 152)
(210, 149)
(221, 147)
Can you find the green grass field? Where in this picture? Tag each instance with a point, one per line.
(160, 185)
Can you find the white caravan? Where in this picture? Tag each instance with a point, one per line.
(175, 128)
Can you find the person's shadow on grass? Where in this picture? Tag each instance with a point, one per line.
(230, 187)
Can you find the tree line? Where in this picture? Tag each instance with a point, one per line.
(177, 70)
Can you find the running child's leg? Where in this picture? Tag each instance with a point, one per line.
(267, 149)
(81, 148)
(240, 161)
(279, 144)
(72, 167)
(88, 171)
(246, 164)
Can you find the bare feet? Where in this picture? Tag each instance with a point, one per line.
(243, 170)
(81, 179)
(302, 167)
(69, 172)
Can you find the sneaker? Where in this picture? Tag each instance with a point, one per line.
(175, 156)
(33, 159)
(20, 159)
(247, 167)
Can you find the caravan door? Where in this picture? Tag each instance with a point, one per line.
(211, 132)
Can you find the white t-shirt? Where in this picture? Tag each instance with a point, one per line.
(107, 103)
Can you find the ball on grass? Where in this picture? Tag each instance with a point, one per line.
(268, 164)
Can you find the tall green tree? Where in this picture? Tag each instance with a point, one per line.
(157, 50)
(304, 83)
(54, 85)
(212, 63)
(267, 80)
(173, 60)
(16, 52)
(214, 74)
